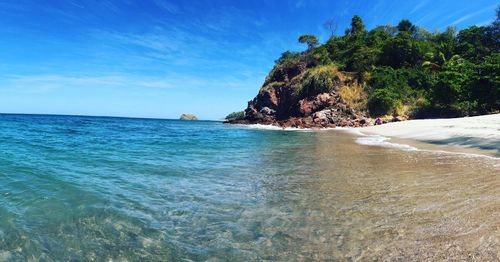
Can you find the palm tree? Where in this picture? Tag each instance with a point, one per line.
(434, 64)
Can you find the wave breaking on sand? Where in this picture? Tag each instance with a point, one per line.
(479, 132)
(482, 132)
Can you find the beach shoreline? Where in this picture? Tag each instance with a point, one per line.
(223, 191)
(479, 135)
(478, 132)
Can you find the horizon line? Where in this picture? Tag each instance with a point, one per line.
(104, 116)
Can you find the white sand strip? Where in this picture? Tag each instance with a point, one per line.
(479, 131)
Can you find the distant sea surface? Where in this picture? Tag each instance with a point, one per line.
(99, 188)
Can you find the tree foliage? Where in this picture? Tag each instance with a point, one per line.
(310, 40)
(235, 116)
(357, 26)
(406, 26)
(437, 73)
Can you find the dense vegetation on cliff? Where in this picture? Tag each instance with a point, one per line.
(401, 70)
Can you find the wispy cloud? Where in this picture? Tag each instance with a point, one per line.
(167, 6)
(48, 83)
(419, 6)
(468, 16)
(54, 82)
(217, 40)
(174, 48)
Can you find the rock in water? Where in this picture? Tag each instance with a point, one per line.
(188, 117)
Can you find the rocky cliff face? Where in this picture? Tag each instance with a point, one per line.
(283, 101)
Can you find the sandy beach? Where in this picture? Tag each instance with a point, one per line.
(481, 132)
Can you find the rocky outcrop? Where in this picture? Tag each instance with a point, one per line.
(280, 103)
(188, 117)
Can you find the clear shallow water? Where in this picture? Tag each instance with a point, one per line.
(88, 188)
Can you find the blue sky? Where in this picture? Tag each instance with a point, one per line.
(161, 58)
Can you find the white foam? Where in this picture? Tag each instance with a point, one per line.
(272, 127)
(481, 132)
(376, 140)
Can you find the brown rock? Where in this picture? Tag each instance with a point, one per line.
(267, 111)
(344, 123)
(188, 117)
(397, 119)
(305, 107)
(279, 103)
(313, 104)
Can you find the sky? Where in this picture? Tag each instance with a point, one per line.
(162, 58)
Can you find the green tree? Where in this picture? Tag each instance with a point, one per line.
(288, 57)
(357, 26)
(485, 84)
(310, 40)
(403, 67)
(406, 26)
(403, 50)
(382, 102)
(337, 48)
(447, 41)
(379, 36)
(320, 56)
(388, 88)
(472, 43)
(452, 87)
(235, 116)
(362, 59)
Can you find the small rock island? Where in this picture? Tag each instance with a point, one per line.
(190, 117)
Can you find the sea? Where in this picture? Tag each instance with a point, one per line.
(79, 188)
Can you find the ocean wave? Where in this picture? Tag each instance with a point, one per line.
(383, 141)
(271, 127)
(479, 132)
(472, 135)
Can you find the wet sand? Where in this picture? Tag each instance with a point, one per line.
(388, 204)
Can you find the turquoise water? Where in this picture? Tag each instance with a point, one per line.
(96, 188)
(108, 187)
